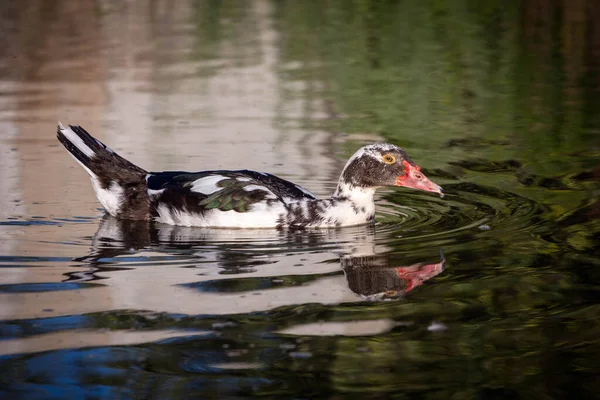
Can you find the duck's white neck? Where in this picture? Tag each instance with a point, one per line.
(362, 197)
(349, 205)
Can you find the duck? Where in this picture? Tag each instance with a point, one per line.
(240, 198)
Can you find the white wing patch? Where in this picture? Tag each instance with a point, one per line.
(208, 184)
(250, 188)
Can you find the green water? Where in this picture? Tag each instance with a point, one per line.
(489, 292)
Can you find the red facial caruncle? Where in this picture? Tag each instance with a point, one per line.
(415, 179)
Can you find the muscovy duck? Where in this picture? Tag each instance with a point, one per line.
(239, 199)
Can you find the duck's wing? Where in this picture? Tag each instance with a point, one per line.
(222, 190)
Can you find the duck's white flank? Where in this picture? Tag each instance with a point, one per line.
(110, 198)
(260, 215)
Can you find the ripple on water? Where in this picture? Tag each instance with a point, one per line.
(24, 261)
(39, 220)
(466, 208)
(43, 287)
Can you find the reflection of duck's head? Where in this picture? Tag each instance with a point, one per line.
(374, 279)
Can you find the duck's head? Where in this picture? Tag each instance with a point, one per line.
(384, 164)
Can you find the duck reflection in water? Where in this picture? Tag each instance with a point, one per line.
(267, 255)
(377, 280)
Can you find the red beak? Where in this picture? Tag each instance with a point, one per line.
(414, 178)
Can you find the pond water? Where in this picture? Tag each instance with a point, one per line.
(489, 292)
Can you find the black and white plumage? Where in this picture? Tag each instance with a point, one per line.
(239, 199)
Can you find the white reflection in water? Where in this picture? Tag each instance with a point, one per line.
(215, 271)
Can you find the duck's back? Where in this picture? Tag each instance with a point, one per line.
(221, 198)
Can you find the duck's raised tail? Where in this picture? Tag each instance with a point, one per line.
(120, 185)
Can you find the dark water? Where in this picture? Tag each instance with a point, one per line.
(490, 292)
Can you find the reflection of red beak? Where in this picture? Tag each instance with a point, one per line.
(415, 275)
(415, 179)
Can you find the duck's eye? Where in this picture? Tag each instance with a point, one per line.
(388, 159)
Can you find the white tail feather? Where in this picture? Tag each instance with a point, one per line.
(77, 142)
